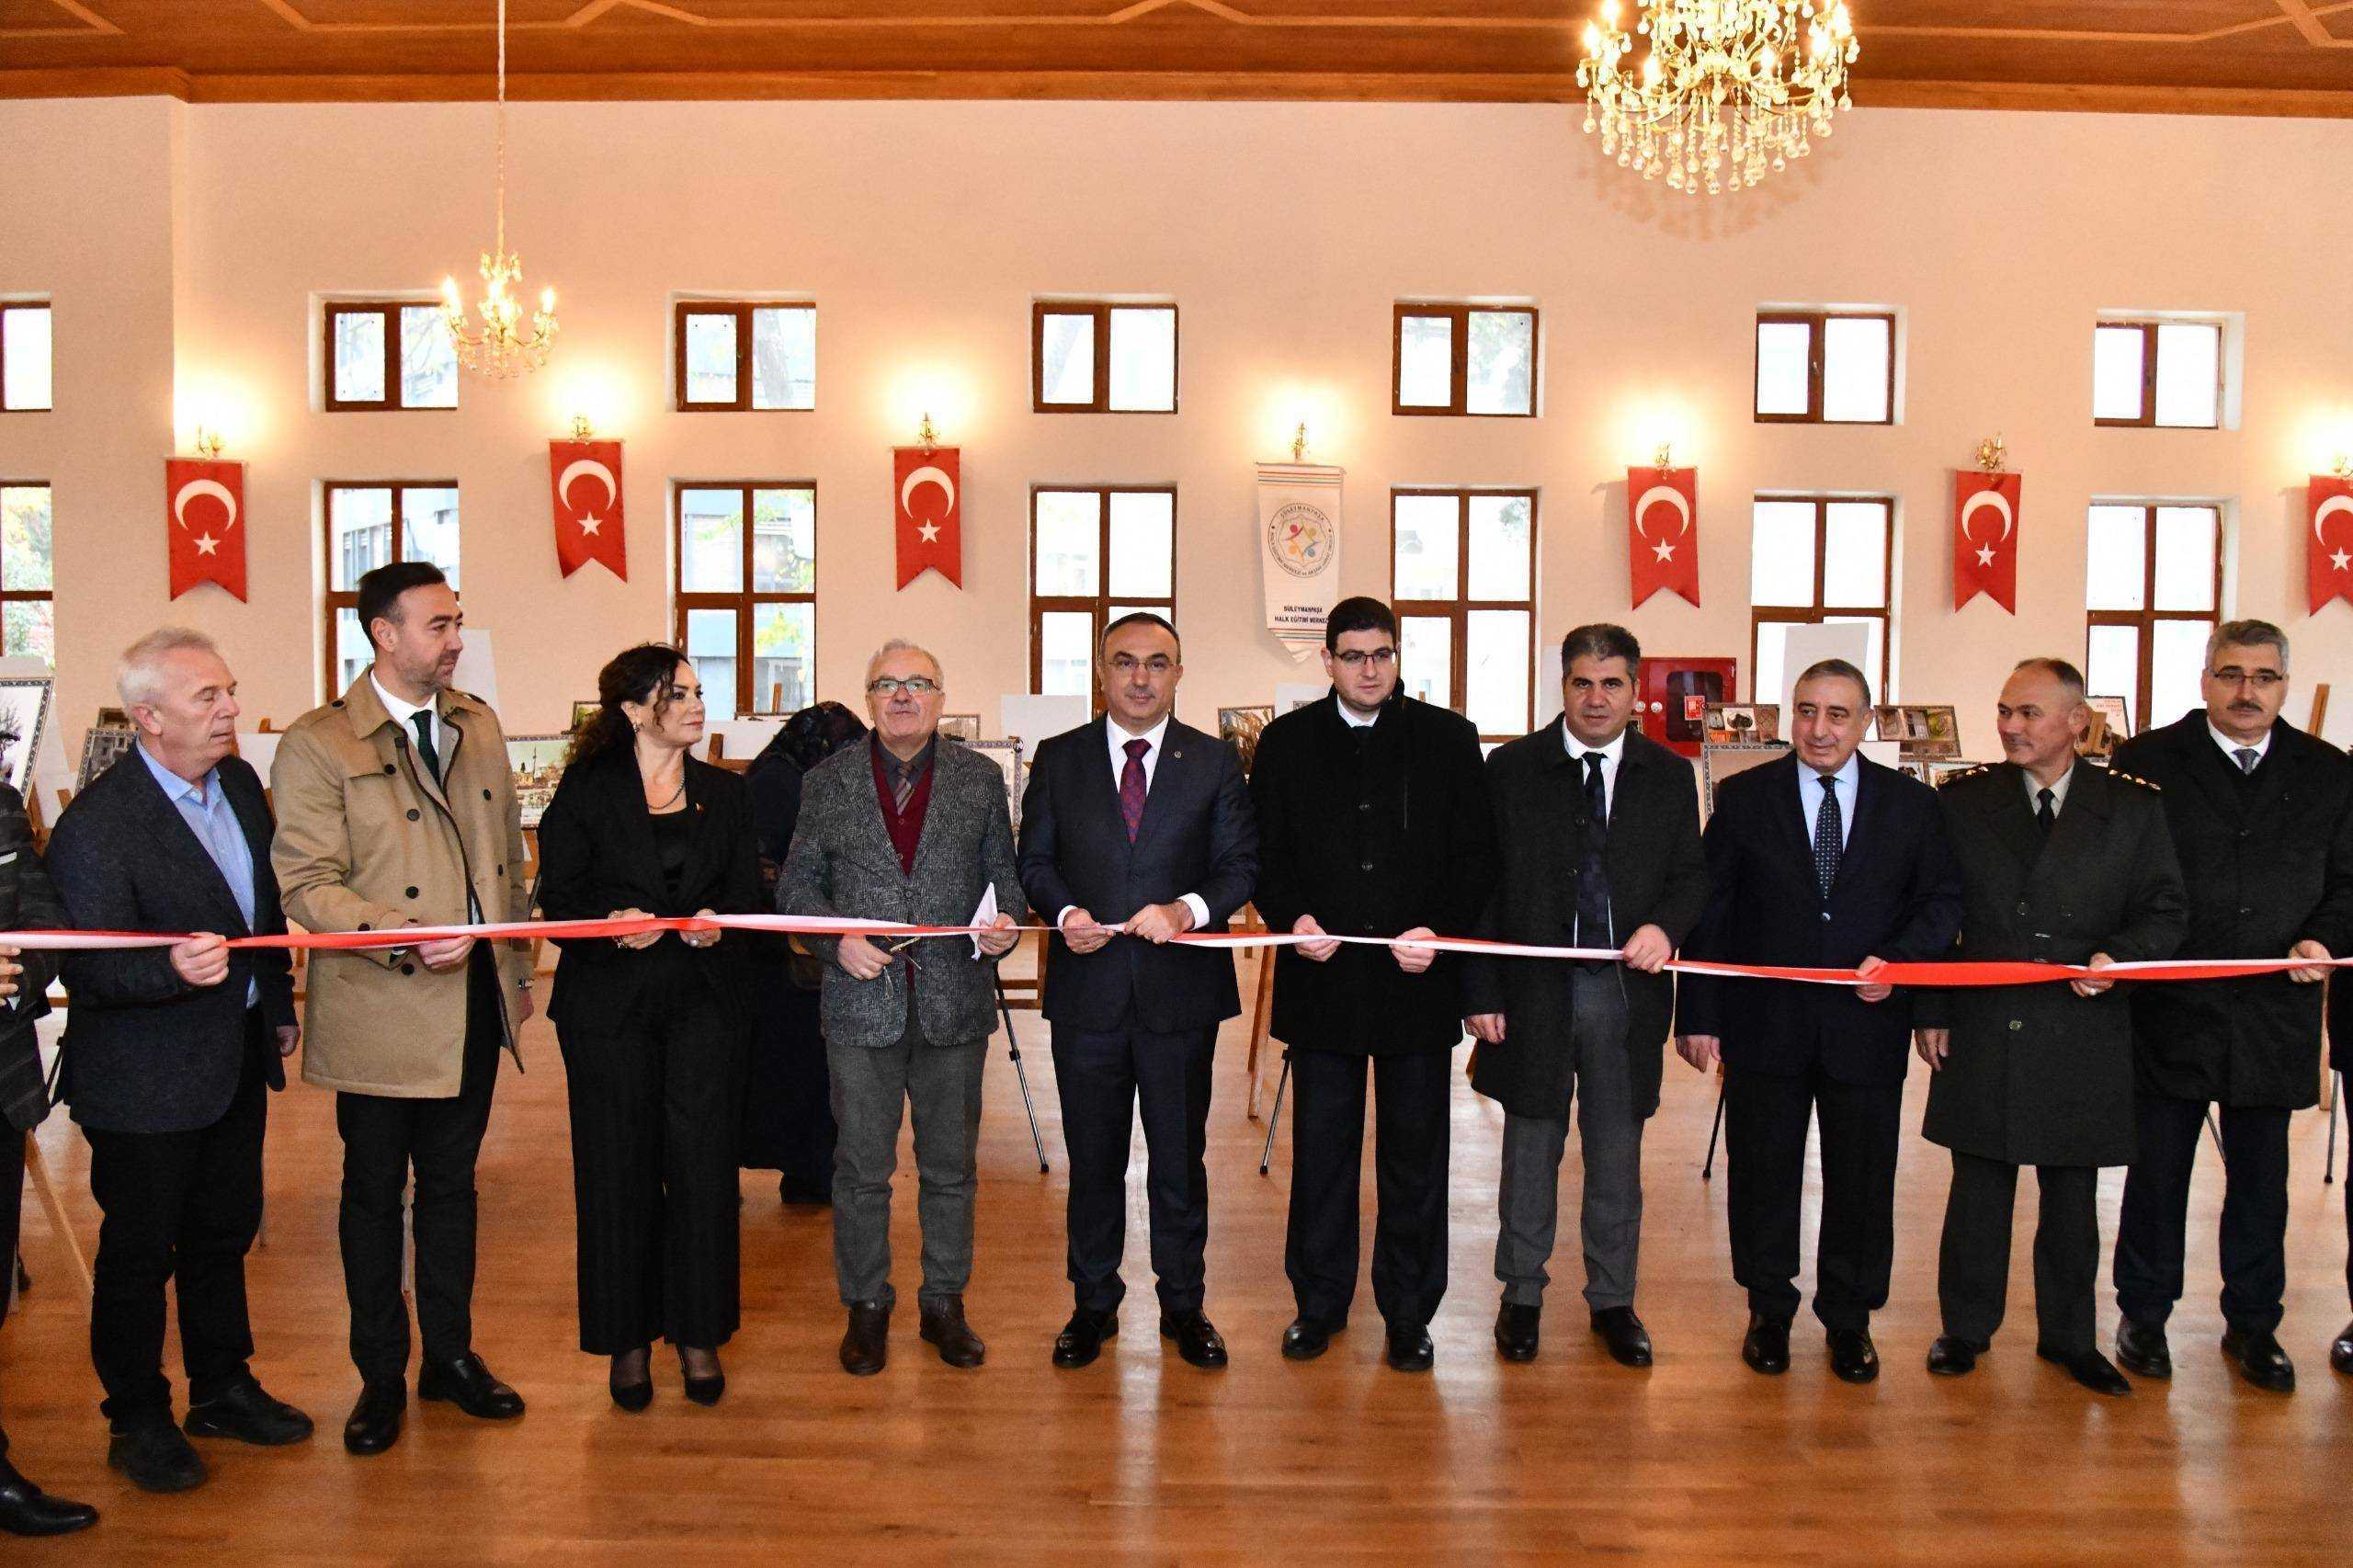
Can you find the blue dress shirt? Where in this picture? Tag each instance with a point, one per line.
(1810, 798)
(206, 810)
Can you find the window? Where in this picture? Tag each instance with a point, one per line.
(1096, 553)
(1813, 562)
(389, 356)
(1462, 574)
(1091, 358)
(738, 356)
(1825, 367)
(748, 596)
(1464, 359)
(371, 526)
(24, 357)
(2153, 373)
(27, 584)
(2152, 585)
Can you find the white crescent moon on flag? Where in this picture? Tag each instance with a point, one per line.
(1673, 498)
(2322, 513)
(923, 476)
(1993, 499)
(587, 465)
(196, 487)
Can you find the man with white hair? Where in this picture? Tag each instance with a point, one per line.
(169, 1053)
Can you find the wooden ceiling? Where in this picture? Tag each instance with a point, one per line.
(2217, 56)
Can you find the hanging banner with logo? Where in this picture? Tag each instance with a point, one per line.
(2328, 555)
(204, 502)
(1662, 531)
(927, 486)
(586, 476)
(1985, 537)
(1298, 544)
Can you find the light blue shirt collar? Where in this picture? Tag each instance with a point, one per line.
(176, 788)
(1849, 776)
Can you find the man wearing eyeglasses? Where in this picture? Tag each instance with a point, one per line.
(908, 830)
(1372, 822)
(2259, 812)
(1137, 828)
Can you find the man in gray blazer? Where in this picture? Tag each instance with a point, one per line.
(906, 829)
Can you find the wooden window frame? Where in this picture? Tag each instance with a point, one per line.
(1099, 604)
(1457, 610)
(1817, 326)
(337, 600)
(1818, 613)
(746, 600)
(742, 311)
(1100, 310)
(7, 306)
(2144, 619)
(391, 402)
(47, 595)
(2147, 418)
(1459, 371)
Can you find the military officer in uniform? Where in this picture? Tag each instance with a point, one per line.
(2062, 862)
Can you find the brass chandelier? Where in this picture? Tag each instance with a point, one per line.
(1729, 90)
(502, 348)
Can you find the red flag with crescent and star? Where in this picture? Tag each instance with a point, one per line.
(1662, 531)
(586, 476)
(2328, 554)
(204, 511)
(926, 490)
(1986, 538)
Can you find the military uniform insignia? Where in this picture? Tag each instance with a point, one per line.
(2136, 778)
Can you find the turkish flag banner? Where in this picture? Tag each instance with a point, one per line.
(1662, 531)
(1986, 538)
(204, 502)
(2328, 556)
(926, 495)
(586, 480)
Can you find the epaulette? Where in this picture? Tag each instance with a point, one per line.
(1966, 773)
(2136, 778)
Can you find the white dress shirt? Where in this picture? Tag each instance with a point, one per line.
(1349, 716)
(1116, 739)
(1849, 778)
(2231, 748)
(1612, 755)
(404, 714)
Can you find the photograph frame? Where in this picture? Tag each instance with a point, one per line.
(1243, 726)
(535, 780)
(1927, 731)
(1009, 756)
(961, 727)
(102, 747)
(1720, 762)
(24, 722)
(1742, 723)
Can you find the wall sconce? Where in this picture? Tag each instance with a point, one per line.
(927, 436)
(2343, 466)
(209, 444)
(1298, 444)
(582, 428)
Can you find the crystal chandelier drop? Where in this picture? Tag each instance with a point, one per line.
(1728, 90)
(501, 348)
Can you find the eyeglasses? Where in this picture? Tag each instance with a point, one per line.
(2262, 680)
(1357, 658)
(891, 685)
(1126, 664)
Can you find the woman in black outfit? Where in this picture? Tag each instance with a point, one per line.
(655, 1029)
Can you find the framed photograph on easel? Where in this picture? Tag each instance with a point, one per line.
(23, 715)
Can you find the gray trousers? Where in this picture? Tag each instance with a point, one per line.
(940, 1086)
(1611, 1136)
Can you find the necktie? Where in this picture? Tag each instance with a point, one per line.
(1132, 786)
(2248, 756)
(422, 720)
(1593, 879)
(2044, 816)
(1827, 827)
(903, 784)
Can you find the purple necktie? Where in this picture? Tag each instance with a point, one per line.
(1132, 786)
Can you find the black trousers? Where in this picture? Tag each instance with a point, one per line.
(383, 1139)
(1411, 1133)
(1105, 1078)
(2156, 1211)
(12, 1195)
(1973, 1265)
(1765, 1122)
(656, 1108)
(182, 1208)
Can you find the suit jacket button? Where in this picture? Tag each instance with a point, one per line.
(1365, 865)
(486, 794)
(412, 892)
(2016, 1025)
(364, 925)
(411, 968)
(2022, 904)
(390, 768)
(413, 816)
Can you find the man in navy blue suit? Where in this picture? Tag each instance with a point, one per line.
(1822, 859)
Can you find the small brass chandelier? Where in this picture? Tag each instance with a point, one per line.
(501, 349)
(1730, 89)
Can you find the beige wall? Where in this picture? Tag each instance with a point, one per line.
(184, 247)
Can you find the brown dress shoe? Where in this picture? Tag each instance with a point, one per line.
(867, 1346)
(944, 1326)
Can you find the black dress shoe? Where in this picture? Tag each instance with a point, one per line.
(1197, 1339)
(1952, 1356)
(26, 1509)
(631, 1397)
(468, 1384)
(944, 1327)
(375, 1423)
(2257, 1353)
(866, 1344)
(156, 1457)
(2091, 1369)
(1409, 1348)
(1518, 1330)
(1082, 1338)
(2141, 1347)
(248, 1414)
(2340, 1354)
(1304, 1341)
(1853, 1356)
(704, 1390)
(1766, 1347)
(1622, 1332)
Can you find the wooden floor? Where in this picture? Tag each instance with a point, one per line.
(1143, 1459)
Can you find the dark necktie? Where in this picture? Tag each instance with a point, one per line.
(1827, 830)
(2043, 815)
(422, 720)
(902, 785)
(1593, 881)
(2248, 756)
(1132, 786)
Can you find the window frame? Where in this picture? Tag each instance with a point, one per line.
(1459, 369)
(1817, 324)
(2147, 326)
(337, 599)
(1100, 310)
(742, 311)
(2144, 619)
(35, 595)
(391, 402)
(7, 305)
(746, 600)
(1760, 616)
(1099, 604)
(1457, 610)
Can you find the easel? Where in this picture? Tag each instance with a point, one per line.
(37, 1169)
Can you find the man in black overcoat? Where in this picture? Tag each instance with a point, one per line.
(1372, 822)
(2340, 1061)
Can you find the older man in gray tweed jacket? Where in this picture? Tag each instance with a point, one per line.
(906, 829)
